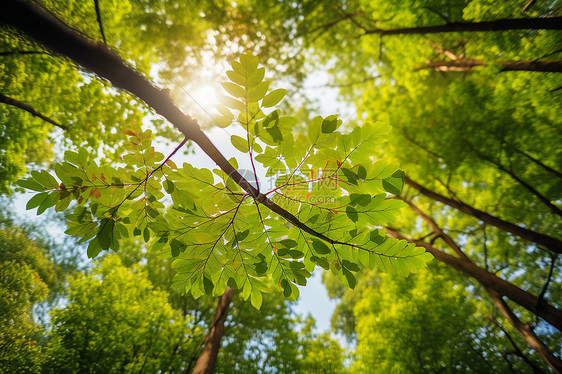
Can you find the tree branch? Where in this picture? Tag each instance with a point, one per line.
(526, 332)
(550, 23)
(98, 16)
(553, 208)
(466, 64)
(518, 352)
(48, 30)
(28, 108)
(504, 288)
(549, 277)
(546, 241)
(538, 162)
(436, 229)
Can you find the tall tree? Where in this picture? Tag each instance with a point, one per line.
(481, 149)
(27, 276)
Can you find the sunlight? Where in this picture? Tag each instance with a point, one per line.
(200, 98)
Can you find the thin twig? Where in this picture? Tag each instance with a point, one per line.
(28, 108)
(549, 277)
(528, 5)
(98, 16)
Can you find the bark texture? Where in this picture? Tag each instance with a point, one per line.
(206, 362)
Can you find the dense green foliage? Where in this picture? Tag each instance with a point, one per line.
(481, 136)
(26, 278)
(219, 234)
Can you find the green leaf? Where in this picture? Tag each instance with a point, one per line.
(94, 248)
(330, 124)
(36, 200)
(30, 184)
(351, 281)
(282, 252)
(146, 234)
(349, 175)
(208, 285)
(376, 237)
(320, 247)
(249, 62)
(257, 93)
(273, 98)
(395, 183)
(323, 263)
(105, 234)
(168, 186)
(234, 89)
(242, 235)
(315, 128)
(223, 121)
(71, 157)
(177, 247)
(275, 133)
(286, 288)
(236, 77)
(272, 117)
(256, 298)
(288, 243)
(361, 172)
(255, 78)
(296, 254)
(232, 103)
(359, 199)
(46, 179)
(239, 143)
(350, 265)
(351, 213)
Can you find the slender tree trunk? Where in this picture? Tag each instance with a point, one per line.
(550, 23)
(466, 64)
(206, 362)
(526, 299)
(546, 241)
(526, 332)
(31, 110)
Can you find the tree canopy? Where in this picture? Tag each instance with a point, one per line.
(453, 154)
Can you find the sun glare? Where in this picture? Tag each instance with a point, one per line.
(201, 99)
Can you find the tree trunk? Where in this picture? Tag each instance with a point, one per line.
(550, 23)
(206, 362)
(546, 241)
(526, 332)
(466, 64)
(526, 299)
